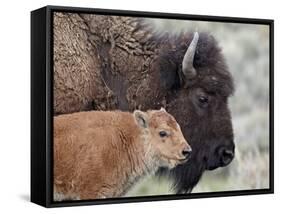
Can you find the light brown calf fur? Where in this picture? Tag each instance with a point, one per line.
(101, 154)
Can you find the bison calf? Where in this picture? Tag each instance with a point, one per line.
(101, 154)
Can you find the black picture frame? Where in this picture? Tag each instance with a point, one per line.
(42, 102)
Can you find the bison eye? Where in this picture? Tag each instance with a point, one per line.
(163, 134)
(203, 101)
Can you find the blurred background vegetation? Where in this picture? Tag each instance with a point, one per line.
(246, 49)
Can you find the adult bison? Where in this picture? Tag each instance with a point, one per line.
(113, 62)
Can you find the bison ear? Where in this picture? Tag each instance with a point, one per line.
(141, 118)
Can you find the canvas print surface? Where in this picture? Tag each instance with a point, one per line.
(148, 106)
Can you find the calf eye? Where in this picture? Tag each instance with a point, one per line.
(163, 134)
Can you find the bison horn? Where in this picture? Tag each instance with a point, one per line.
(187, 63)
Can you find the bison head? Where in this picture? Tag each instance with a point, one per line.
(199, 102)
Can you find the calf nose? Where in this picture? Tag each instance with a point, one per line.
(186, 152)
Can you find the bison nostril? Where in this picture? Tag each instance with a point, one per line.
(228, 153)
(186, 152)
(226, 156)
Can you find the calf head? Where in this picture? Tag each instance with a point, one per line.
(164, 137)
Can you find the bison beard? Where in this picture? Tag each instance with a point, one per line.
(128, 66)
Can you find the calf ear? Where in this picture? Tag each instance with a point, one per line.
(141, 118)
